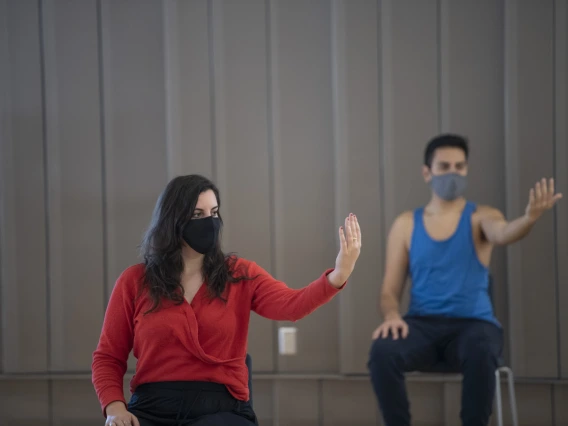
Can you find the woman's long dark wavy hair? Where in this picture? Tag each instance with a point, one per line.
(162, 244)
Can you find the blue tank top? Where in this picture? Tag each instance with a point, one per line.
(448, 279)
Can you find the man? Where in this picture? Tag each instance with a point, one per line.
(446, 248)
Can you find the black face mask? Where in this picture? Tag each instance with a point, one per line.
(202, 234)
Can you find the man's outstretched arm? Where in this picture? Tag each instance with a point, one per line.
(499, 231)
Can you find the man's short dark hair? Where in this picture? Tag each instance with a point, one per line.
(444, 141)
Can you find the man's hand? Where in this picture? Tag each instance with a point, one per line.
(541, 199)
(395, 326)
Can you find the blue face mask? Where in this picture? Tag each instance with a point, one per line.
(449, 186)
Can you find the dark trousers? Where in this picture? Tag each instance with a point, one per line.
(189, 404)
(469, 346)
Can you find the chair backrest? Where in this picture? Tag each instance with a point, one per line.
(248, 361)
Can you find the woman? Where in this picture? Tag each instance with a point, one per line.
(185, 313)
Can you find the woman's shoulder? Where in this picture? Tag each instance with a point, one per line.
(134, 271)
(238, 265)
(131, 278)
(241, 267)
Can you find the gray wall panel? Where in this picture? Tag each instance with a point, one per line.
(538, 411)
(23, 212)
(529, 148)
(304, 197)
(409, 90)
(471, 93)
(301, 112)
(134, 139)
(263, 400)
(410, 105)
(247, 182)
(452, 403)
(35, 410)
(358, 184)
(74, 181)
(4, 137)
(135, 162)
(75, 403)
(359, 408)
(298, 402)
(561, 157)
(188, 87)
(427, 402)
(560, 406)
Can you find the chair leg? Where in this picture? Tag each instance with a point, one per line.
(499, 401)
(512, 395)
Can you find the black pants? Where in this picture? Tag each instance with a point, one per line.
(189, 403)
(470, 346)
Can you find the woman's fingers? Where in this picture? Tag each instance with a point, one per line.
(342, 241)
(357, 229)
(348, 231)
(353, 222)
(126, 419)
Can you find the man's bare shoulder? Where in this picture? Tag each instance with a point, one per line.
(484, 211)
(404, 219)
(403, 226)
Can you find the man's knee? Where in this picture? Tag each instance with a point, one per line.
(385, 352)
(480, 354)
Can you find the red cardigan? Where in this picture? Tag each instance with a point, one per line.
(202, 341)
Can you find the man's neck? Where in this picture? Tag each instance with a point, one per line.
(436, 205)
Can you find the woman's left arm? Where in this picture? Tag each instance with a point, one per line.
(274, 300)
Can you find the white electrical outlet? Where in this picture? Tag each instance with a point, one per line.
(287, 340)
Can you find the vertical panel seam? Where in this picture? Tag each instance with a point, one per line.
(50, 399)
(46, 206)
(381, 122)
(510, 46)
(275, 400)
(170, 32)
(443, 76)
(335, 148)
(320, 403)
(212, 105)
(270, 149)
(337, 23)
(45, 181)
(506, 314)
(102, 129)
(5, 99)
(555, 210)
(167, 58)
(552, 403)
(439, 60)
